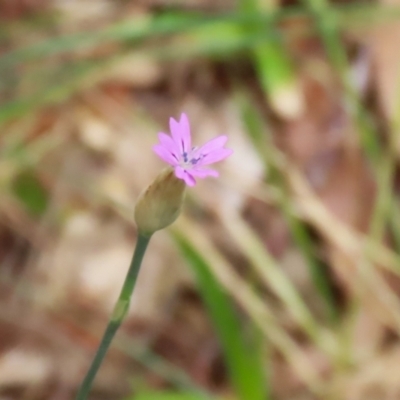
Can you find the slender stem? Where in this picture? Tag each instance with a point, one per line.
(117, 317)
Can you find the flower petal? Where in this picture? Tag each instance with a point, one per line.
(180, 132)
(213, 144)
(203, 173)
(215, 156)
(189, 179)
(165, 154)
(185, 130)
(183, 174)
(167, 142)
(179, 172)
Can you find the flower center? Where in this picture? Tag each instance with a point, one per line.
(190, 159)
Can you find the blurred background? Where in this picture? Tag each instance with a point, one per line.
(280, 280)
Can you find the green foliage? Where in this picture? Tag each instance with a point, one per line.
(218, 36)
(31, 192)
(243, 357)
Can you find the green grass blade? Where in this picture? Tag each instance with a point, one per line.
(256, 130)
(29, 190)
(273, 65)
(242, 357)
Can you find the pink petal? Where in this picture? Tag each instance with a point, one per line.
(203, 173)
(179, 172)
(215, 156)
(189, 179)
(180, 132)
(167, 142)
(164, 154)
(185, 130)
(175, 129)
(183, 174)
(213, 144)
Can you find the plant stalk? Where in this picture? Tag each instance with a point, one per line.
(120, 310)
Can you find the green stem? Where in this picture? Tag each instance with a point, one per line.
(117, 317)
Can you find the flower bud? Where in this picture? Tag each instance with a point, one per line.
(160, 204)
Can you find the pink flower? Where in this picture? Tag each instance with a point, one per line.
(189, 162)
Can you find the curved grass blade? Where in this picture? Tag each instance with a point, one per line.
(242, 357)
